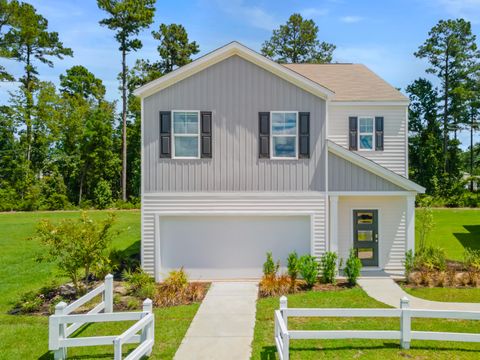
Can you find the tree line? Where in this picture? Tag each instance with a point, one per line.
(68, 146)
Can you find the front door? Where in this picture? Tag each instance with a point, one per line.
(365, 236)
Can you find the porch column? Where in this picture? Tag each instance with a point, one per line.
(333, 223)
(410, 222)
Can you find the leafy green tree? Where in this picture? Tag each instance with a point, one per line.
(450, 50)
(7, 12)
(425, 140)
(127, 18)
(175, 50)
(28, 40)
(79, 81)
(75, 245)
(297, 42)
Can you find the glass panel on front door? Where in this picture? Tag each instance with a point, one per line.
(365, 236)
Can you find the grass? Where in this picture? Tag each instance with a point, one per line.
(264, 346)
(470, 295)
(20, 273)
(455, 230)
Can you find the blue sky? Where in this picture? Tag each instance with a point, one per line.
(380, 34)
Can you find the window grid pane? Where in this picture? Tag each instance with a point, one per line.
(186, 134)
(284, 134)
(365, 133)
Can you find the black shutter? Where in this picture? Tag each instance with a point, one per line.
(206, 134)
(165, 134)
(352, 134)
(304, 135)
(264, 134)
(379, 133)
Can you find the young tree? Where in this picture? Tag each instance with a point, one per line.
(7, 12)
(174, 49)
(28, 40)
(450, 51)
(127, 18)
(297, 42)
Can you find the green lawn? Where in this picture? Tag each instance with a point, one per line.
(264, 346)
(20, 273)
(455, 229)
(446, 294)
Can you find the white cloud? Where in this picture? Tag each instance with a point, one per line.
(468, 9)
(313, 12)
(350, 19)
(254, 15)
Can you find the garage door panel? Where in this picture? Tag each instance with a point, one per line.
(230, 246)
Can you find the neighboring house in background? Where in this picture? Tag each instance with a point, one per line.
(470, 181)
(241, 155)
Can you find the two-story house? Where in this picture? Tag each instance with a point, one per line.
(242, 155)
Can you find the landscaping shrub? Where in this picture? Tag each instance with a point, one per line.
(409, 263)
(425, 223)
(271, 285)
(308, 269)
(292, 265)
(139, 283)
(176, 290)
(430, 258)
(102, 194)
(353, 265)
(328, 265)
(471, 260)
(75, 245)
(269, 266)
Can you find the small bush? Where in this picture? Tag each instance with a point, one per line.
(176, 290)
(292, 265)
(308, 268)
(30, 302)
(177, 280)
(430, 258)
(353, 265)
(102, 194)
(409, 263)
(139, 283)
(269, 266)
(272, 285)
(133, 304)
(328, 265)
(471, 259)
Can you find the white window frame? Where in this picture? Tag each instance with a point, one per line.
(288, 135)
(366, 133)
(185, 135)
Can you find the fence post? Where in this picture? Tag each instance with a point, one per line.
(405, 323)
(108, 294)
(284, 306)
(148, 330)
(61, 353)
(117, 349)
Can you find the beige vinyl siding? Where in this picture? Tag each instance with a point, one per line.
(313, 202)
(394, 155)
(235, 90)
(392, 227)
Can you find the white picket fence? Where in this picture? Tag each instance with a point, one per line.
(283, 335)
(63, 324)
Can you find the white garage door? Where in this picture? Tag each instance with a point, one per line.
(216, 247)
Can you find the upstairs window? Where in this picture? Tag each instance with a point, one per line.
(366, 133)
(284, 134)
(186, 134)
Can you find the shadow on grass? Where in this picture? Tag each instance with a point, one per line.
(471, 239)
(49, 356)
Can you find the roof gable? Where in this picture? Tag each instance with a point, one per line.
(374, 168)
(231, 49)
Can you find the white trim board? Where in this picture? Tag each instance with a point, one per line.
(231, 49)
(374, 167)
(370, 103)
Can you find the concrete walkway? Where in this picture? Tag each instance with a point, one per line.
(386, 290)
(223, 325)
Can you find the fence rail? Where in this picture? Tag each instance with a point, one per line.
(405, 334)
(63, 324)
